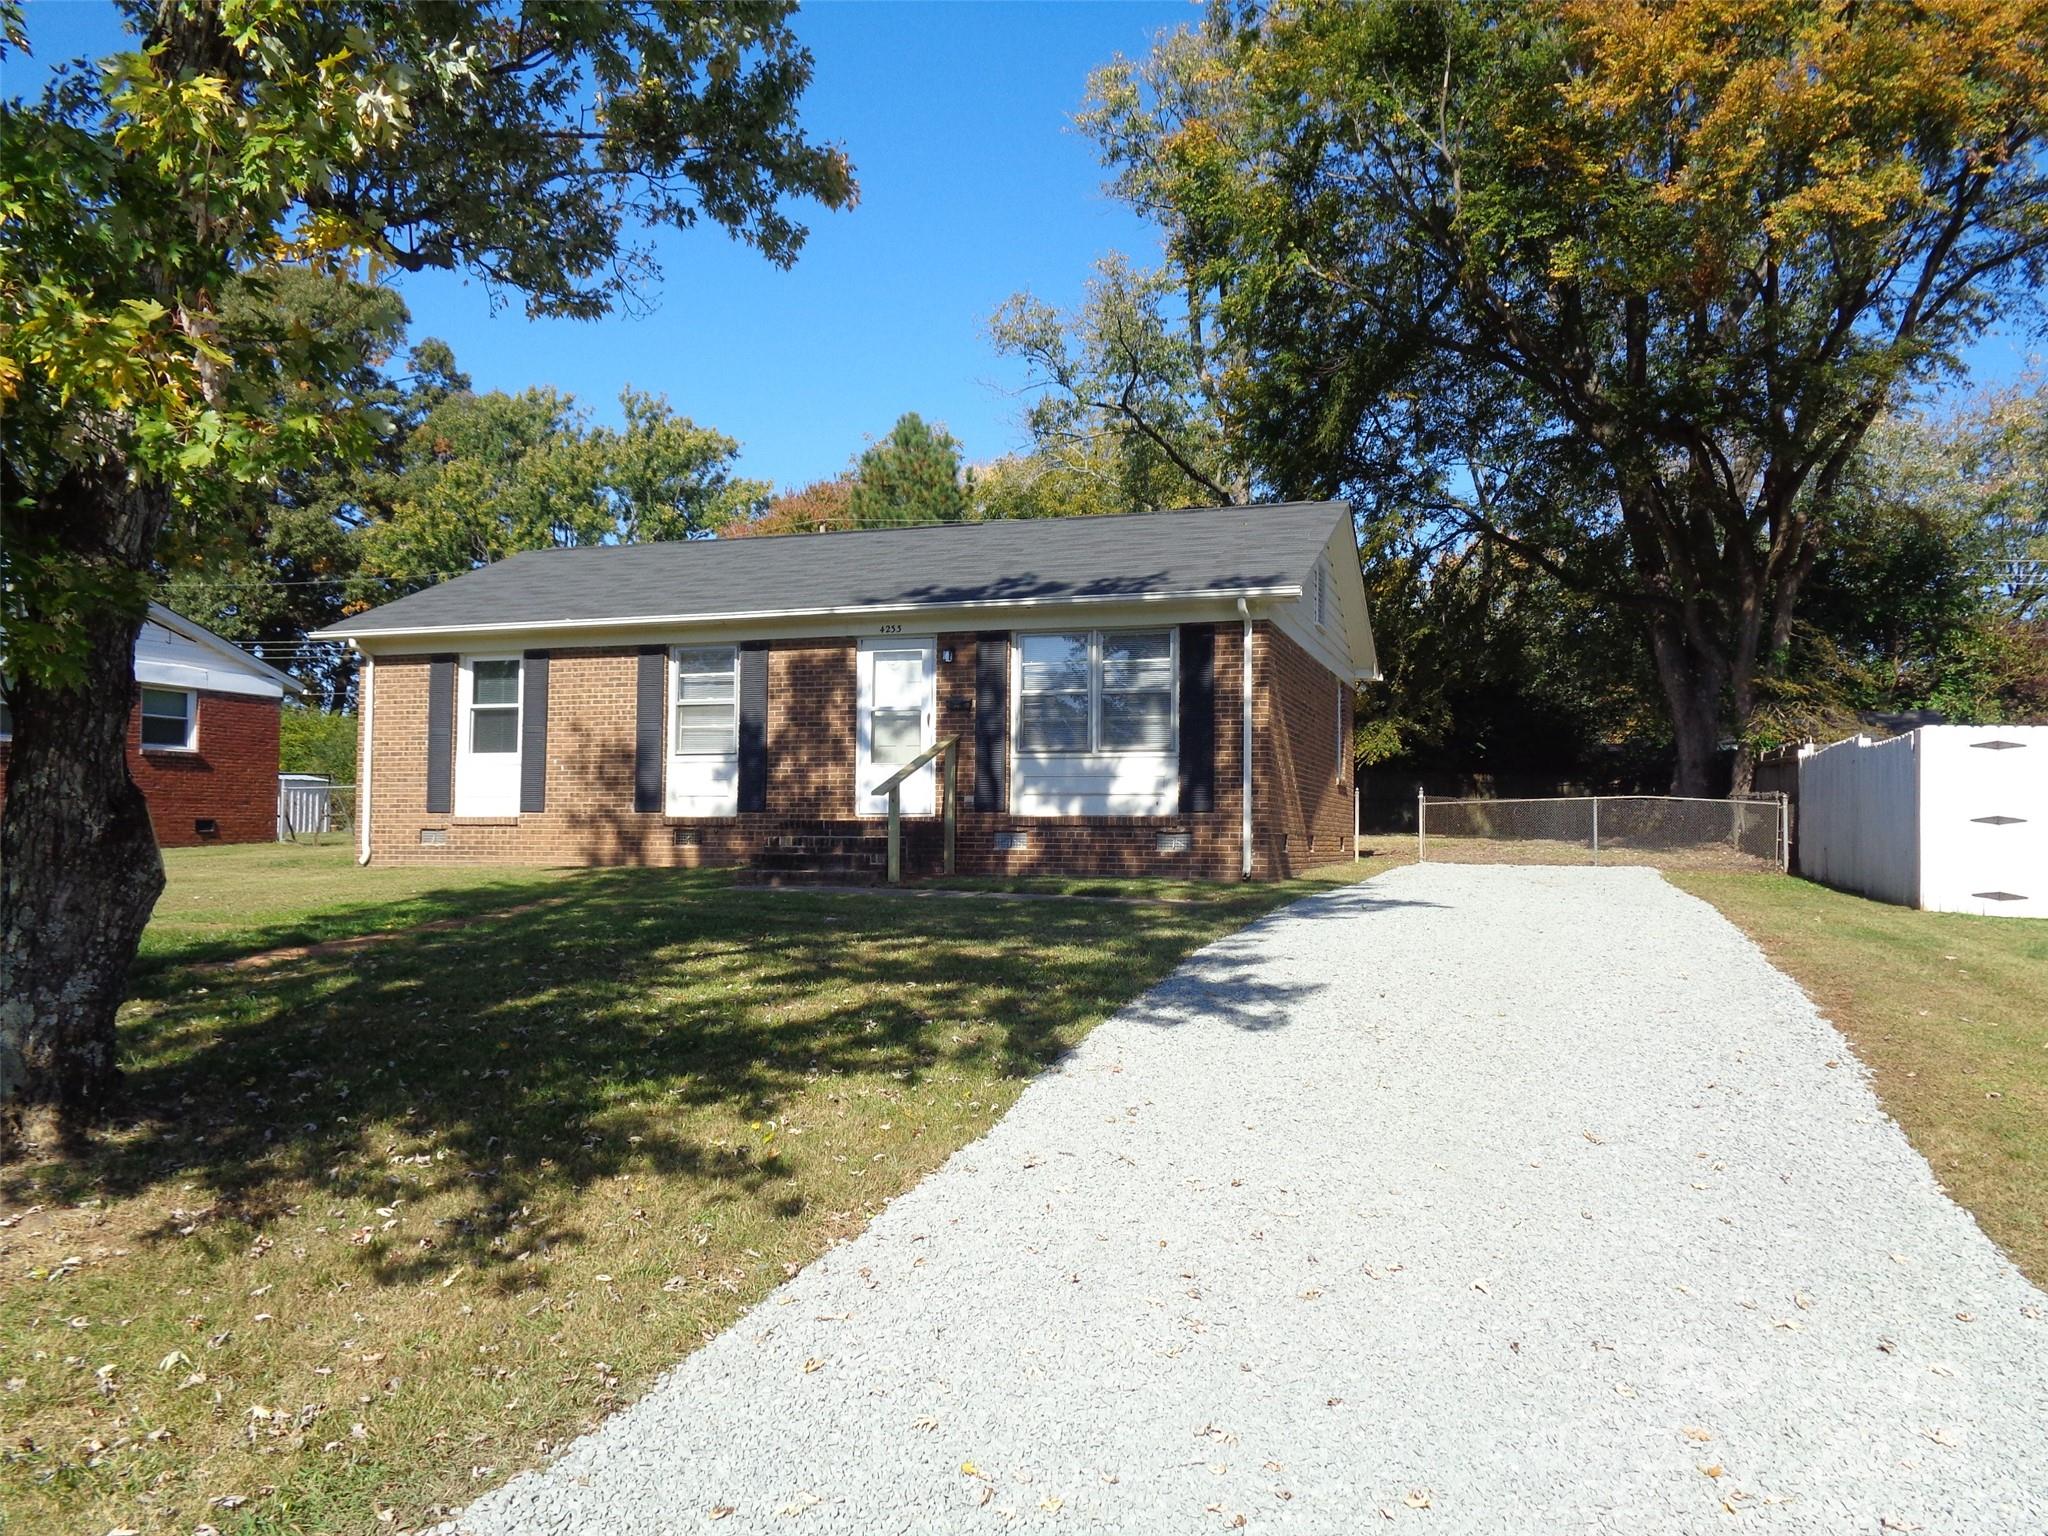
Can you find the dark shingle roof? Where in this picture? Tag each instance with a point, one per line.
(1226, 551)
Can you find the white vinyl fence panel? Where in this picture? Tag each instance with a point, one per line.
(1859, 818)
(1949, 818)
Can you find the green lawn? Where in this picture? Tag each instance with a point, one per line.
(385, 1227)
(1951, 1015)
(221, 902)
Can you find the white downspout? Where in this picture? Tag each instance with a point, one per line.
(1245, 738)
(369, 701)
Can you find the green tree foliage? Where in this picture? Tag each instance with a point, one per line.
(1928, 591)
(283, 557)
(914, 475)
(528, 144)
(483, 476)
(1618, 287)
(1126, 412)
(317, 741)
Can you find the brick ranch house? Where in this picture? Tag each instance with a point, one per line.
(202, 734)
(736, 701)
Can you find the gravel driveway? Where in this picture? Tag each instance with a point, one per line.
(1476, 1199)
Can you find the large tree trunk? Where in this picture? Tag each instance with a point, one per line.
(79, 867)
(1692, 686)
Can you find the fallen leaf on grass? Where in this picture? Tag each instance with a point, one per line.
(1713, 1469)
(1694, 1432)
(720, 1511)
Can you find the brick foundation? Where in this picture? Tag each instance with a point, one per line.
(812, 704)
(231, 780)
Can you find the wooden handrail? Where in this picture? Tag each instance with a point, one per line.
(915, 763)
(893, 788)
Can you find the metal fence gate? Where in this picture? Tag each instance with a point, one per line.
(309, 808)
(1748, 832)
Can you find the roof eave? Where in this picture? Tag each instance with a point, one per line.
(200, 635)
(769, 615)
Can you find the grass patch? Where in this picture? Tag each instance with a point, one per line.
(386, 1227)
(221, 902)
(1951, 1015)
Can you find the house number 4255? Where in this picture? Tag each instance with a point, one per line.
(890, 629)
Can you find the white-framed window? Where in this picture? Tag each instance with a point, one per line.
(705, 713)
(1089, 691)
(494, 706)
(170, 719)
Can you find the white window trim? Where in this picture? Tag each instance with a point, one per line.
(191, 742)
(1171, 748)
(465, 728)
(675, 683)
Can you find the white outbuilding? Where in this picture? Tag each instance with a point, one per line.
(1947, 818)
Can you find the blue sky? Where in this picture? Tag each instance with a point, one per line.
(974, 185)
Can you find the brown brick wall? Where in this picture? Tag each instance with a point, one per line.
(1301, 783)
(231, 779)
(812, 699)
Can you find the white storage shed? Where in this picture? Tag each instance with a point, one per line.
(1948, 818)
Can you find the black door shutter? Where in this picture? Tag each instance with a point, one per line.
(533, 733)
(1197, 717)
(651, 683)
(754, 726)
(991, 721)
(440, 735)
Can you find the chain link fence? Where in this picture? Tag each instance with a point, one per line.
(311, 811)
(1662, 831)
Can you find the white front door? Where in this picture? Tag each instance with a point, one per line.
(487, 710)
(898, 680)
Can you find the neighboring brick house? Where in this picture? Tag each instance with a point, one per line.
(740, 701)
(202, 734)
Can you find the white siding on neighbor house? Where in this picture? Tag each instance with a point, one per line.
(164, 659)
(1951, 818)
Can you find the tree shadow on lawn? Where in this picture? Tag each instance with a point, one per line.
(643, 1026)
